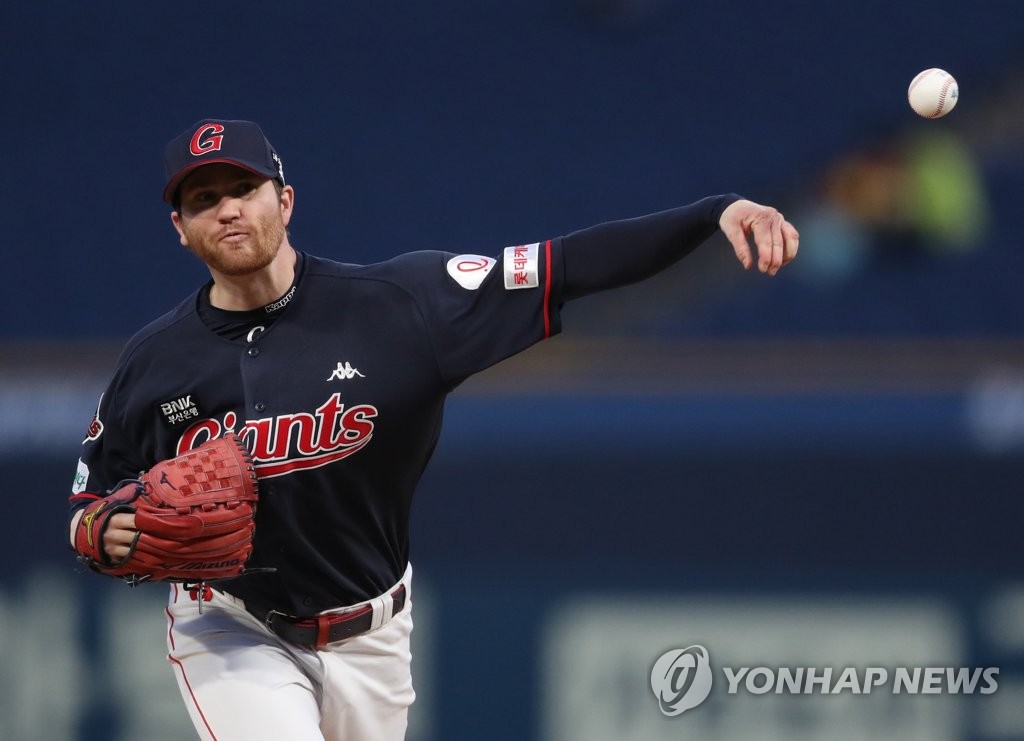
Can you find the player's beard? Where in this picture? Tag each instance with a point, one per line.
(265, 237)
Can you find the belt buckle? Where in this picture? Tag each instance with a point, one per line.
(269, 619)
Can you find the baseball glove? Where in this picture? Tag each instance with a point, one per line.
(195, 516)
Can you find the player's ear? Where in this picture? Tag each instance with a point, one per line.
(287, 199)
(176, 220)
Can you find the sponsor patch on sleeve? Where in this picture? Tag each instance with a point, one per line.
(96, 426)
(469, 271)
(521, 266)
(81, 478)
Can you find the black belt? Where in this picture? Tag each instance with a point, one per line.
(319, 630)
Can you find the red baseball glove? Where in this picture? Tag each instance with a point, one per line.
(195, 516)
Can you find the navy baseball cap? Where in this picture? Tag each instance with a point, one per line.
(211, 140)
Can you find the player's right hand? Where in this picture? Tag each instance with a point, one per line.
(776, 239)
(119, 536)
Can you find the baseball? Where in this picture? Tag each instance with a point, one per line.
(933, 93)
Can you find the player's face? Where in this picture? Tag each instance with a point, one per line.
(232, 219)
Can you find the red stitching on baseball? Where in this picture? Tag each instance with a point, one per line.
(942, 96)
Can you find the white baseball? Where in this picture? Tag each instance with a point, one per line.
(933, 93)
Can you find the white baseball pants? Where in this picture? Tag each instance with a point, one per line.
(241, 682)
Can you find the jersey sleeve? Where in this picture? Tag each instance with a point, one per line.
(481, 309)
(106, 457)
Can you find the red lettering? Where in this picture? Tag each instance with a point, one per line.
(356, 424)
(194, 436)
(262, 438)
(328, 413)
(329, 435)
(305, 443)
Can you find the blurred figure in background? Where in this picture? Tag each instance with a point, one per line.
(902, 200)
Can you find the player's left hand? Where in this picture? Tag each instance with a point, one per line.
(776, 239)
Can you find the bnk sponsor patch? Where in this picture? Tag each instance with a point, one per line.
(179, 410)
(521, 266)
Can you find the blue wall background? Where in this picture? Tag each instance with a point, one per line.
(455, 125)
(470, 126)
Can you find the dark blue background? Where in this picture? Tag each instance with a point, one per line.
(464, 126)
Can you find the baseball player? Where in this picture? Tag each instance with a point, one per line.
(333, 376)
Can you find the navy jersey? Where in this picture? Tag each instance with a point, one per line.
(339, 400)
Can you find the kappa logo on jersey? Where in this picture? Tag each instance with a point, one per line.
(179, 410)
(343, 372)
(293, 442)
(281, 302)
(213, 143)
(469, 271)
(521, 266)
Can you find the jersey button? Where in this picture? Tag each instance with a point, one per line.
(307, 601)
(259, 406)
(253, 352)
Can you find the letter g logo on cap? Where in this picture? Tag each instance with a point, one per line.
(200, 146)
